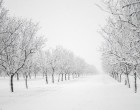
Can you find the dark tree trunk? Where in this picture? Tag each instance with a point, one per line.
(120, 77)
(135, 82)
(26, 81)
(53, 78)
(117, 77)
(62, 77)
(11, 83)
(65, 76)
(59, 77)
(53, 70)
(125, 82)
(128, 80)
(46, 76)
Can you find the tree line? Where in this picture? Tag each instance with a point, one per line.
(121, 49)
(23, 53)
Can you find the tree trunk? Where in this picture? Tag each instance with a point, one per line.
(11, 83)
(53, 78)
(135, 82)
(62, 78)
(65, 76)
(59, 77)
(26, 81)
(117, 77)
(120, 78)
(46, 76)
(125, 82)
(128, 80)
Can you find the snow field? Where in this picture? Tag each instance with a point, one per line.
(98, 92)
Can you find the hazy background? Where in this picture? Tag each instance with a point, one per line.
(70, 23)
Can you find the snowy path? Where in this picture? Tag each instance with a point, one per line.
(98, 92)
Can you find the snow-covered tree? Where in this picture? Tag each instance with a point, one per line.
(19, 42)
(122, 36)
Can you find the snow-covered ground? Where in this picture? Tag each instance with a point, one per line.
(98, 92)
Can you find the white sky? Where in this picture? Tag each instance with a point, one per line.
(70, 23)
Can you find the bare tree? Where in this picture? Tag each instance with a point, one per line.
(19, 43)
(122, 36)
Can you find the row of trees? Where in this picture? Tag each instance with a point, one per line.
(22, 52)
(18, 42)
(121, 49)
(62, 63)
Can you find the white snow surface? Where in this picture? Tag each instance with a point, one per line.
(97, 92)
